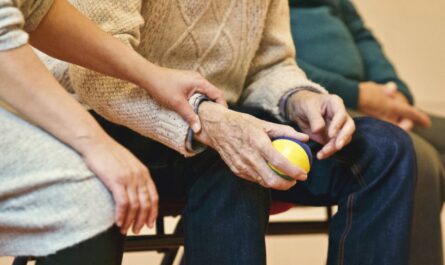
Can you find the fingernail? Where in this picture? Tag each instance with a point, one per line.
(196, 127)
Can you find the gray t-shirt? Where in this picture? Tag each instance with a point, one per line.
(17, 17)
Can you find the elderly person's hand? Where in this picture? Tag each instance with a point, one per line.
(244, 143)
(126, 177)
(384, 102)
(324, 118)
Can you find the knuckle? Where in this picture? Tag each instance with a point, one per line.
(175, 100)
(122, 178)
(123, 203)
(135, 205)
(145, 205)
(271, 182)
(337, 98)
(155, 199)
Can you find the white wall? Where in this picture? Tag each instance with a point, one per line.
(413, 35)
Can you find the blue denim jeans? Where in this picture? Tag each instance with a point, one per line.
(371, 180)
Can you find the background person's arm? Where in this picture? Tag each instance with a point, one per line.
(377, 66)
(374, 99)
(66, 34)
(273, 71)
(335, 83)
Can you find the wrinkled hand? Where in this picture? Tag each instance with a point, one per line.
(243, 142)
(324, 118)
(383, 101)
(128, 180)
(172, 89)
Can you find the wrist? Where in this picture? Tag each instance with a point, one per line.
(85, 143)
(146, 75)
(362, 96)
(209, 113)
(292, 103)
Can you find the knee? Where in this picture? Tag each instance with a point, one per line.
(387, 140)
(430, 170)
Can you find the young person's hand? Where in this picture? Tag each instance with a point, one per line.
(39, 97)
(66, 34)
(244, 144)
(385, 102)
(172, 89)
(324, 118)
(126, 177)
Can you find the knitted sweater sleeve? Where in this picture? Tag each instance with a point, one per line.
(119, 101)
(273, 71)
(378, 67)
(12, 34)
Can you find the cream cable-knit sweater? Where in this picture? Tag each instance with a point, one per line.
(243, 47)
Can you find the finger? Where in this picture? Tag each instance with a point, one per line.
(346, 132)
(185, 110)
(337, 123)
(133, 208)
(144, 208)
(406, 124)
(390, 89)
(121, 199)
(276, 130)
(412, 113)
(327, 150)
(281, 163)
(212, 92)
(154, 198)
(315, 119)
(264, 173)
(271, 178)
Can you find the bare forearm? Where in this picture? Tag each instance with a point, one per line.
(30, 89)
(66, 34)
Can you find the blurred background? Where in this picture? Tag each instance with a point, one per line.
(413, 35)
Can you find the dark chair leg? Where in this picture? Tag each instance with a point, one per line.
(170, 255)
(20, 261)
(329, 213)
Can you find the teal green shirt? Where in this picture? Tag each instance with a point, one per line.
(336, 50)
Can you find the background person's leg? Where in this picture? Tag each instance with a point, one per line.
(435, 134)
(372, 181)
(104, 249)
(426, 238)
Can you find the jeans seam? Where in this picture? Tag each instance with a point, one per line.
(341, 247)
(355, 168)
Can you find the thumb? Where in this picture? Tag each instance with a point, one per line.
(185, 110)
(406, 124)
(390, 89)
(212, 92)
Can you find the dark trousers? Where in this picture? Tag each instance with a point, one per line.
(104, 249)
(371, 180)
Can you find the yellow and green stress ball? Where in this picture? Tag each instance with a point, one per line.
(297, 152)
